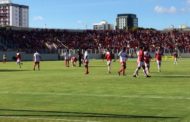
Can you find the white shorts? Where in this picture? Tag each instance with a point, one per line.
(18, 61)
(147, 64)
(159, 62)
(140, 64)
(108, 62)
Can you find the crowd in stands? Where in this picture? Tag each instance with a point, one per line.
(53, 39)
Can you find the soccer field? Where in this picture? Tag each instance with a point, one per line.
(60, 94)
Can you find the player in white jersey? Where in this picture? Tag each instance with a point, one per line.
(36, 59)
(123, 58)
(86, 61)
(4, 58)
(175, 56)
(67, 58)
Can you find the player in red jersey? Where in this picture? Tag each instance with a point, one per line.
(18, 59)
(158, 57)
(175, 55)
(140, 63)
(147, 59)
(73, 61)
(108, 57)
(123, 58)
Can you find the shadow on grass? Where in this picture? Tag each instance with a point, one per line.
(13, 70)
(36, 113)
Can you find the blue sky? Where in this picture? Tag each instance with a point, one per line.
(79, 14)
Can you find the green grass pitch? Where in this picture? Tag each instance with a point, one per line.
(60, 94)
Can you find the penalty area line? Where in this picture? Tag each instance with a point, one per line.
(46, 119)
(97, 95)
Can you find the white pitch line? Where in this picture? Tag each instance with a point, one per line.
(30, 118)
(97, 95)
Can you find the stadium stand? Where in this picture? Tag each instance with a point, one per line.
(54, 39)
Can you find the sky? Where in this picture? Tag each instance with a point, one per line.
(82, 14)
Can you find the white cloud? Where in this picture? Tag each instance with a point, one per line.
(185, 10)
(162, 10)
(38, 18)
(172, 10)
(188, 1)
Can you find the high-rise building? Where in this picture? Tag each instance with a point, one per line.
(13, 14)
(103, 25)
(126, 21)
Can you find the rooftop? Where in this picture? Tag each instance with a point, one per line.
(126, 14)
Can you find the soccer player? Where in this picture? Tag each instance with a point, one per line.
(123, 58)
(140, 63)
(80, 58)
(147, 59)
(175, 55)
(18, 59)
(67, 58)
(73, 61)
(86, 61)
(158, 57)
(36, 59)
(4, 58)
(108, 57)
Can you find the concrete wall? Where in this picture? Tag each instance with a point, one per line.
(54, 57)
(185, 55)
(28, 57)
